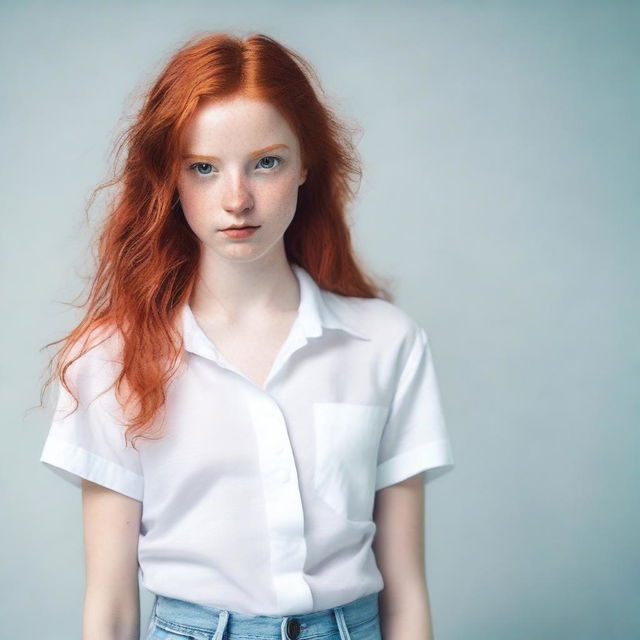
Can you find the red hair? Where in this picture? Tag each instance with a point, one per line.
(147, 254)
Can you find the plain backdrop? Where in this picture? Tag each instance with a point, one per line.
(500, 195)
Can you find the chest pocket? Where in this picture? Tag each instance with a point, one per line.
(346, 444)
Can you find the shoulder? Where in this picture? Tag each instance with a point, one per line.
(101, 360)
(379, 320)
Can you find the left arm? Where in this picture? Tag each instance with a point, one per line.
(398, 546)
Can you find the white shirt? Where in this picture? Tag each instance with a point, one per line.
(260, 500)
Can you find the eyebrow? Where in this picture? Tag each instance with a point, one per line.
(254, 154)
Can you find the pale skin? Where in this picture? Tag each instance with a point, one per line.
(241, 165)
(399, 514)
(246, 296)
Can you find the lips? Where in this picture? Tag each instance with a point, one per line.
(239, 232)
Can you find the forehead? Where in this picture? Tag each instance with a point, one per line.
(236, 122)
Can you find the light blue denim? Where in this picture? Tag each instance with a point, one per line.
(173, 619)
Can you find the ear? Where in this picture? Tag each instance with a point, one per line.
(303, 177)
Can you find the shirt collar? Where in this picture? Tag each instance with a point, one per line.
(314, 315)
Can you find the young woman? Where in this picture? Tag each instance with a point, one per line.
(247, 414)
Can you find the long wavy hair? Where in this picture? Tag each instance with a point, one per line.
(148, 256)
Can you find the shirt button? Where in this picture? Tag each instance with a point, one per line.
(293, 628)
(283, 475)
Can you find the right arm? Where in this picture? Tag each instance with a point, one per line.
(111, 528)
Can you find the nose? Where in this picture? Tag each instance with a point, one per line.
(237, 195)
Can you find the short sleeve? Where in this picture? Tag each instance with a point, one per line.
(89, 443)
(415, 436)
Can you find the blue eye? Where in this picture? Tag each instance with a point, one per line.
(278, 158)
(197, 165)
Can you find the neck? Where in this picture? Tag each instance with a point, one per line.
(233, 290)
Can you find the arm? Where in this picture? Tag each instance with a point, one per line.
(399, 550)
(111, 528)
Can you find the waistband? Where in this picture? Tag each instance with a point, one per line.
(190, 618)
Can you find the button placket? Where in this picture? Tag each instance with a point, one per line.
(283, 501)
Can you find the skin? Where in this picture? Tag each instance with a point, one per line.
(111, 524)
(246, 295)
(399, 515)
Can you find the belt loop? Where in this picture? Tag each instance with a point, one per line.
(283, 628)
(152, 617)
(223, 617)
(342, 625)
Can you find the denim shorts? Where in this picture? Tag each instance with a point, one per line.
(173, 619)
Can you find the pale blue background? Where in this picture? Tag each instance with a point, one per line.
(501, 154)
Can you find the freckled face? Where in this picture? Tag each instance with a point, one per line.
(240, 165)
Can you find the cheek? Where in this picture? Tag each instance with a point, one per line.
(285, 192)
(189, 197)
(196, 202)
